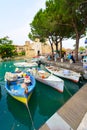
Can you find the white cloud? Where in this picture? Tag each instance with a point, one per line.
(16, 17)
(70, 43)
(20, 35)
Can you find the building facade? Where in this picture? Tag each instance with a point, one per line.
(35, 48)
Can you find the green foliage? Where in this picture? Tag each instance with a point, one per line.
(22, 53)
(65, 18)
(6, 48)
(5, 40)
(81, 49)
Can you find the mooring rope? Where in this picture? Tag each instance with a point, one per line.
(13, 127)
(68, 91)
(30, 116)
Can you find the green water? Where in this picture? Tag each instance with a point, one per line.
(44, 102)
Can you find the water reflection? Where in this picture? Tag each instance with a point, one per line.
(6, 66)
(49, 100)
(20, 112)
(44, 102)
(0, 93)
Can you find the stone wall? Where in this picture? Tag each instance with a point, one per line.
(31, 49)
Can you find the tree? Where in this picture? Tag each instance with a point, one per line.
(76, 16)
(67, 19)
(6, 48)
(57, 25)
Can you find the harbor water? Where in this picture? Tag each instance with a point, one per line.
(44, 102)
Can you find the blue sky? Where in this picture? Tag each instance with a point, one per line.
(15, 17)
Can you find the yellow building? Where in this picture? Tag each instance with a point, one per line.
(32, 49)
(20, 49)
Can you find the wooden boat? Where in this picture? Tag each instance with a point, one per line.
(64, 73)
(48, 79)
(21, 87)
(25, 64)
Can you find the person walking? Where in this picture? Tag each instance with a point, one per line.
(72, 57)
(69, 56)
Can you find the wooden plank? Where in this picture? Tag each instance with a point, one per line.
(74, 109)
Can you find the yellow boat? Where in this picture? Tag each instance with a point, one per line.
(20, 88)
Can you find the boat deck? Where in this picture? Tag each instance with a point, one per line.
(70, 116)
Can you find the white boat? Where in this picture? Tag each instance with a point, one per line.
(48, 79)
(64, 73)
(25, 64)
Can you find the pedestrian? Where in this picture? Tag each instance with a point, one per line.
(72, 57)
(56, 56)
(69, 56)
(65, 56)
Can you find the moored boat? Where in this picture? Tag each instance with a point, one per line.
(48, 79)
(20, 88)
(25, 64)
(64, 73)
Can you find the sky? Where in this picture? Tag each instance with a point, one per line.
(15, 19)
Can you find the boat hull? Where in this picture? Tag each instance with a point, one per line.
(73, 76)
(48, 79)
(25, 64)
(22, 99)
(17, 88)
(59, 86)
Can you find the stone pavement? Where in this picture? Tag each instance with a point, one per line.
(83, 124)
(72, 115)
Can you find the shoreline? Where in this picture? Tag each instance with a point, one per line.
(77, 67)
